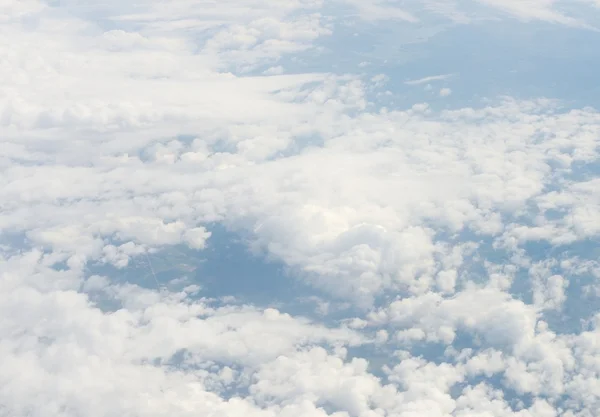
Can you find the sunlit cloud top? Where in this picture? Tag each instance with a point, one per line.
(299, 208)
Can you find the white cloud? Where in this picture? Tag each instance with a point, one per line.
(381, 10)
(117, 142)
(445, 92)
(545, 10)
(326, 224)
(428, 79)
(274, 70)
(58, 338)
(196, 237)
(492, 315)
(548, 288)
(578, 14)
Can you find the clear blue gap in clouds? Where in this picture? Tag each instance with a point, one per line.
(487, 60)
(578, 307)
(225, 268)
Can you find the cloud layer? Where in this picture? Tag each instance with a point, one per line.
(445, 247)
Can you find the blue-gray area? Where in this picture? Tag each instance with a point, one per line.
(484, 60)
(225, 268)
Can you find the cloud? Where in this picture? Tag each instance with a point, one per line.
(534, 10)
(429, 79)
(445, 92)
(471, 11)
(70, 355)
(381, 10)
(128, 128)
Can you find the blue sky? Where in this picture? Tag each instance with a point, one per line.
(303, 208)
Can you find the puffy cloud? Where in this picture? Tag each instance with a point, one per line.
(324, 379)
(127, 128)
(500, 320)
(67, 354)
(445, 92)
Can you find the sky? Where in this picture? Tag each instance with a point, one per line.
(300, 208)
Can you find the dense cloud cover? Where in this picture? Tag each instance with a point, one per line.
(445, 243)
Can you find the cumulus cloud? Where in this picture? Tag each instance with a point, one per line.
(129, 128)
(445, 92)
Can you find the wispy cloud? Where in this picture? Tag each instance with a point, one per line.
(429, 79)
(381, 10)
(544, 10)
